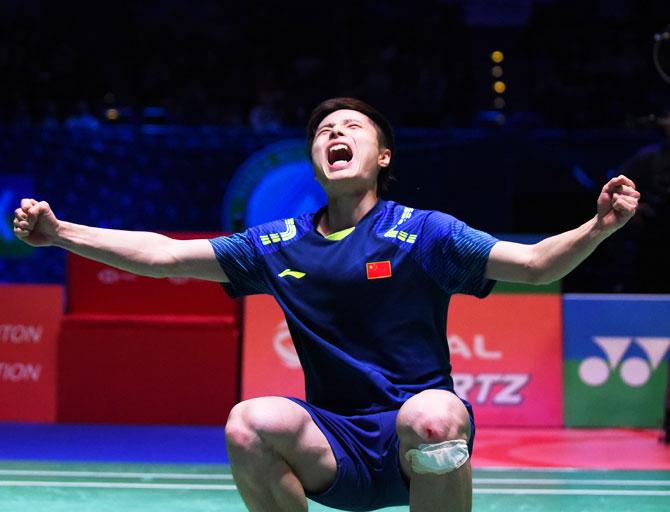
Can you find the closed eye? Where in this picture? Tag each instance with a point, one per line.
(330, 127)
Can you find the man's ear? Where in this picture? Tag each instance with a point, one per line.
(384, 159)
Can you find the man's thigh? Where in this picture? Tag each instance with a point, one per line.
(366, 449)
(289, 430)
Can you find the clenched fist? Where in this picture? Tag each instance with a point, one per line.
(35, 223)
(617, 203)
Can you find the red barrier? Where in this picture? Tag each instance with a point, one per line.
(506, 354)
(30, 317)
(99, 289)
(150, 369)
(270, 364)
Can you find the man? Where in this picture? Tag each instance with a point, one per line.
(365, 285)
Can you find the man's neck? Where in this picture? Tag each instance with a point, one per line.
(346, 211)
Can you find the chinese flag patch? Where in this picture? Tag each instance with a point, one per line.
(378, 269)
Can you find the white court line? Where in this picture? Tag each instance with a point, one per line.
(204, 487)
(539, 469)
(569, 481)
(120, 485)
(574, 492)
(227, 476)
(116, 474)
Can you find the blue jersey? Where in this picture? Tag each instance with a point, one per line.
(367, 313)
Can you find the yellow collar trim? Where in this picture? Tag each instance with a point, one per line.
(339, 235)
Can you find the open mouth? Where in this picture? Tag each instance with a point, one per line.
(339, 155)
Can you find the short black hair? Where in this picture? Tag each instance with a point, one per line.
(384, 129)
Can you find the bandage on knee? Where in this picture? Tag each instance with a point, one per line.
(439, 458)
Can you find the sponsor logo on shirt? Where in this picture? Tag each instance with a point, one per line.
(291, 273)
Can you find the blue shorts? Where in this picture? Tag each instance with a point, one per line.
(366, 449)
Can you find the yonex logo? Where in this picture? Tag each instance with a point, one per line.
(634, 371)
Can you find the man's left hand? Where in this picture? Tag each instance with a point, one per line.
(617, 203)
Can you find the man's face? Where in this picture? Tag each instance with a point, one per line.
(346, 153)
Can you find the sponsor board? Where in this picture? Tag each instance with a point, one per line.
(270, 365)
(506, 354)
(95, 288)
(616, 359)
(30, 317)
(164, 369)
(506, 357)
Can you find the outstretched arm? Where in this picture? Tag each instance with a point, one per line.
(143, 253)
(554, 257)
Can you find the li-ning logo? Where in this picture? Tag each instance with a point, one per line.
(292, 273)
(634, 371)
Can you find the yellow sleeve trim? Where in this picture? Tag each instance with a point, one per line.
(339, 235)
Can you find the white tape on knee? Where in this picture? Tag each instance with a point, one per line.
(439, 458)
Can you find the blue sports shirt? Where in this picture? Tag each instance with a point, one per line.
(367, 313)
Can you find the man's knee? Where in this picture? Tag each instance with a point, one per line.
(433, 416)
(240, 432)
(249, 421)
(434, 428)
(258, 422)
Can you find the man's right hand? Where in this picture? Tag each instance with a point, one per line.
(35, 223)
(139, 252)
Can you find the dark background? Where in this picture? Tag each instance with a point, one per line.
(136, 114)
(569, 64)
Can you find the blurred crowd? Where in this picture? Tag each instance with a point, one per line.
(567, 64)
(174, 178)
(84, 83)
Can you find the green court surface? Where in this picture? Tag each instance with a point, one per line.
(79, 487)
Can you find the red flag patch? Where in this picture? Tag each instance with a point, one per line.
(378, 269)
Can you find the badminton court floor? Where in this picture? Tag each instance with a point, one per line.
(69, 469)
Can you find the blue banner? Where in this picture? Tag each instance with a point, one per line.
(13, 187)
(615, 366)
